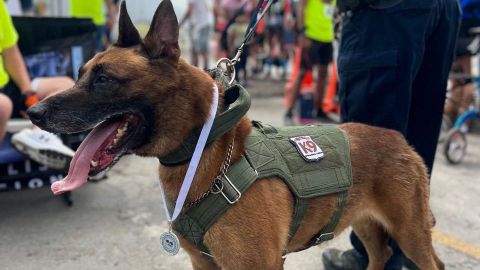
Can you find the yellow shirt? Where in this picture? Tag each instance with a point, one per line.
(319, 20)
(92, 9)
(8, 39)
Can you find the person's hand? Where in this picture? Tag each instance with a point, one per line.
(28, 92)
(304, 42)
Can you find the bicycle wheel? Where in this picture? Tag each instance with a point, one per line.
(455, 146)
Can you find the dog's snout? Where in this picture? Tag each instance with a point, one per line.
(37, 113)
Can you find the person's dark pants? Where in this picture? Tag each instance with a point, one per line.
(393, 68)
(11, 90)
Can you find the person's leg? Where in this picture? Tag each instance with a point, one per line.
(453, 103)
(305, 65)
(195, 46)
(194, 58)
(430, 84)
(467, 97)
(47, 86)
(6, 108)
(465, 62)
(295, 91)
(320, 89)
(380, 53)
(206, 64)
(99, 38)
(204, 50)
(324, 55)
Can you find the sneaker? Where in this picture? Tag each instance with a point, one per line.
(334, 259)
(289, 113)
(44, 148)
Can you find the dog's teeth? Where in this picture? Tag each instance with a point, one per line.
(94, 163)
(120, 133)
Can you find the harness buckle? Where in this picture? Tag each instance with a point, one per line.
(324, 237)
(229, 188)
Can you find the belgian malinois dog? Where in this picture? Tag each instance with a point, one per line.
(142, 97)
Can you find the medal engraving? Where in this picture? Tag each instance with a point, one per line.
(169, 243)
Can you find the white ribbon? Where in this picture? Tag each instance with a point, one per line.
(192, 167)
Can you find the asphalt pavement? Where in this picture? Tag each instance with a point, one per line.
(116, 223)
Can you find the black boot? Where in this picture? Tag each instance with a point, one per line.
(334, 259)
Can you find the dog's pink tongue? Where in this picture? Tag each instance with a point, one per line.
(80, 164)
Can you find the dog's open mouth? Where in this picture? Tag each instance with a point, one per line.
(101, 149)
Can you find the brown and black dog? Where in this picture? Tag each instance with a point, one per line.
(148, 100)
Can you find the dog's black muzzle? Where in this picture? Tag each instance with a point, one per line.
(37, 114)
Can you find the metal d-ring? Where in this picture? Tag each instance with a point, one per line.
(217, 186)
(229, 68)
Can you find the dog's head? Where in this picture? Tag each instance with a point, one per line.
(138, 96)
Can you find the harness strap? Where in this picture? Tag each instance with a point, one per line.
(226, 120)
(301, 206)
(327, 232)
(193, 223)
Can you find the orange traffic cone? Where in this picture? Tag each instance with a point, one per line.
(329, 102)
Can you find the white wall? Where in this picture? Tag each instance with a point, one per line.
(141, 11)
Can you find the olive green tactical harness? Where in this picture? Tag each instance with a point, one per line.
(269, 153)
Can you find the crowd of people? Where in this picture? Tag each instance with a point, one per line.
(286, 25)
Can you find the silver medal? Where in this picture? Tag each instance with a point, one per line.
(169, 243)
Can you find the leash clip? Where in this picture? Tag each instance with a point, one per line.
(229, 68)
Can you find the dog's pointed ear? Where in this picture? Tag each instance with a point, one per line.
(127, 33)
(162, 38)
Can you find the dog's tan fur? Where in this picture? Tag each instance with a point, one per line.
(390, 190)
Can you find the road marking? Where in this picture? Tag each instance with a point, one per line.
(451, 241)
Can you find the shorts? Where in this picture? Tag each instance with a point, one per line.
(319, 53)
(462, 46)
(18, 100)
(200, 40)
(259, 39)
(289, 37)
(275, 30)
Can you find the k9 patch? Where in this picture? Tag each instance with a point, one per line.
(307, 148)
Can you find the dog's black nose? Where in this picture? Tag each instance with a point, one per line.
(36, 113)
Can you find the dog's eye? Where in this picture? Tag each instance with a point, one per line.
(102, 79)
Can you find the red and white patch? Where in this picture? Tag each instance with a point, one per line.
(307, 148)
